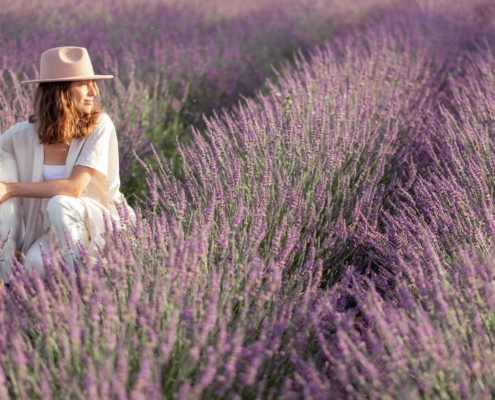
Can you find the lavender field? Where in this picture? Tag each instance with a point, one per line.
(315, 188)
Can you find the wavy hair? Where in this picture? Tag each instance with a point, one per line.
(56, 118)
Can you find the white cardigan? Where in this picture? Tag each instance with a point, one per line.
(11, 224)
(102, 195)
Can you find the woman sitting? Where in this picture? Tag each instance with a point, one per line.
(68, 163)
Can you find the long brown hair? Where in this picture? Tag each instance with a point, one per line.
(55, 116)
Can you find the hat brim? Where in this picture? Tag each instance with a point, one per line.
(72, 79)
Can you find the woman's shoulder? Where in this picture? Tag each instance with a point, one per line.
(21, 127)
(20, 134)
(105, 120)
(103, 129)
(19, 130)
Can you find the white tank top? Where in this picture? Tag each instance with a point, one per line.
(52, 172)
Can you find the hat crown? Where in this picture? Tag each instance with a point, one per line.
(66, 63)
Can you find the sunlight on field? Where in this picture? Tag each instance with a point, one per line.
(315, 199)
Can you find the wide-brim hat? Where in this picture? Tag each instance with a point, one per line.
(65, 64)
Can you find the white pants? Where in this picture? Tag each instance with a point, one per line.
(65, 217)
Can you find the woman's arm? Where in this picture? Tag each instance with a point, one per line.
(72, 186)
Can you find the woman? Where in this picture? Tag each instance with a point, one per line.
(67, 157)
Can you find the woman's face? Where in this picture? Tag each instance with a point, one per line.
(83, 94)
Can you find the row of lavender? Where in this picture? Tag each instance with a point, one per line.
(332, 238)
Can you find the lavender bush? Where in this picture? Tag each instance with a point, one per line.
(329, 238)
(434, 340)
(325, 151)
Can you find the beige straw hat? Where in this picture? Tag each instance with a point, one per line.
(63, 64)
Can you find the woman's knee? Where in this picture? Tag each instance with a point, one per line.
(61, 206)
(59, 202)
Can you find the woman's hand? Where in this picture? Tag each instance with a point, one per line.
(4, 192)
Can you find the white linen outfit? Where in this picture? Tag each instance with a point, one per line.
(73, 220)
